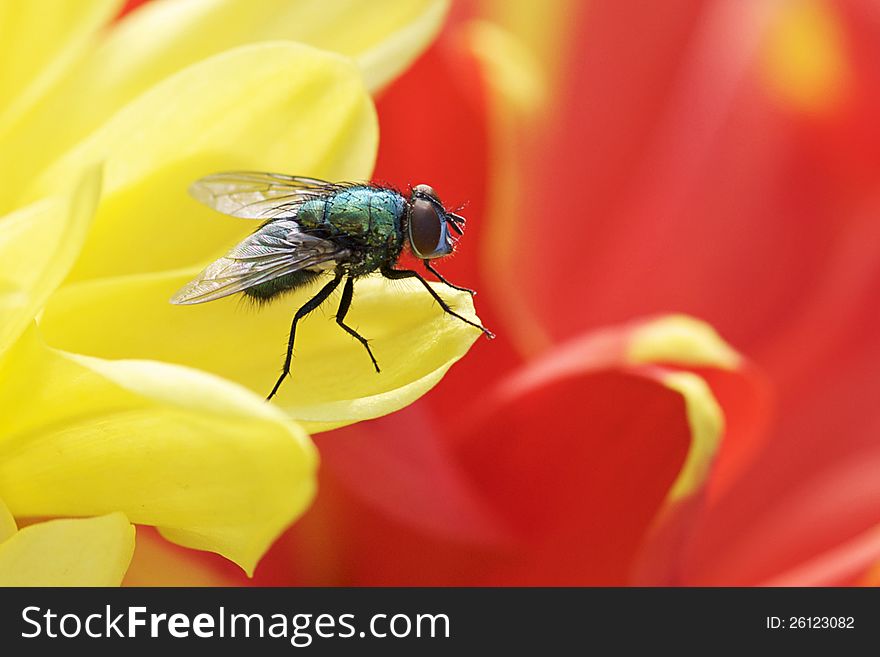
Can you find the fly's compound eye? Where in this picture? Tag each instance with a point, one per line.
(427, 230)
(427, 190)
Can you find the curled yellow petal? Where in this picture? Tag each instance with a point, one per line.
(213, 466)
(689, 342)
(706, 421)
(273, 106)
(38, 245)
(71, 552)
(333, 382)
(644, 347)
(682, 340)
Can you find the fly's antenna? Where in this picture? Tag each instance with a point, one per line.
(456, 221)
(454, 212)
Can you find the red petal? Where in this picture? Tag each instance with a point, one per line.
(571, 459)
(434, 127)
(579, 466)
(681, 185)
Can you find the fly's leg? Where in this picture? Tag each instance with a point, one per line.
(439, 276)
(307, 307)
(344, 305)
(397, 274)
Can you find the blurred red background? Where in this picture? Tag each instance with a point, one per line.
(719, 158)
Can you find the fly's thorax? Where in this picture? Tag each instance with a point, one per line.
(385, 235)
(311, 213)
(373, 214)
(368, 220)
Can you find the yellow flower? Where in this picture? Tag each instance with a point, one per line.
(78, 552)
(111, 400)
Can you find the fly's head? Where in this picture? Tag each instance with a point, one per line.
(428, 224)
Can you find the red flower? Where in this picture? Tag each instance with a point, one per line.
(710, 158)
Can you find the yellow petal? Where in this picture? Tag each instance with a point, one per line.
(686, 341)
(644, 346)
(160, 38)
(38, 245)
(415, 25)
(805, 62)
(540, 26)
(213, 466)
(706, 420)
(682, 340)
(510, 68)
(333, 381)
(275, 106)
(7, 522)
(39, 42)
(81, 552)
(383, 36)
(519, 85)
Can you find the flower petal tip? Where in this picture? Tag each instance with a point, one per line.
(681, 340)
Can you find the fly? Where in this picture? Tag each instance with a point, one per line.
(312, 228)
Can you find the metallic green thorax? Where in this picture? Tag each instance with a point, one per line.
(368, 219)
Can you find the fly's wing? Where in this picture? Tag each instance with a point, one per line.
(276, 249)
(259, 195)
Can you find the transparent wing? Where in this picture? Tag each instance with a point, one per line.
(276, 249)
(259, 195)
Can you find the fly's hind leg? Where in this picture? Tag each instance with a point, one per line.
(344, 305)
(397, 274)
(307, 307)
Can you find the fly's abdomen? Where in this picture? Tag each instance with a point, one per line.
(311, 214)
(276, 286)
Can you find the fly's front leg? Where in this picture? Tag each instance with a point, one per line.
(440, 277)
(398, 274)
